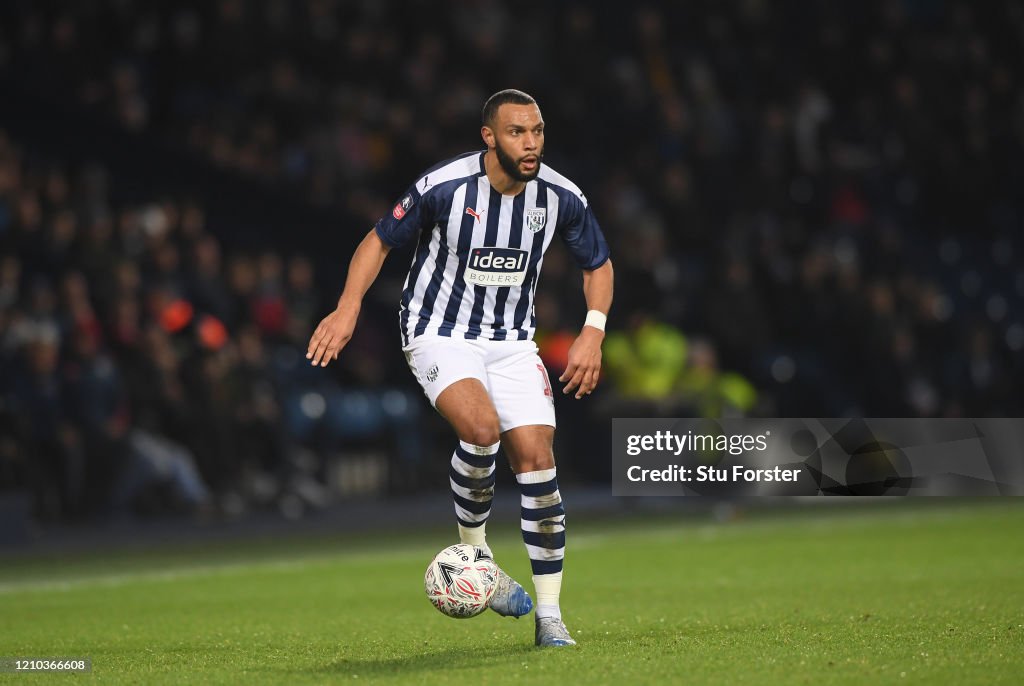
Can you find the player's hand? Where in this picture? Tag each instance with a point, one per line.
(333, 333)
(584, 366)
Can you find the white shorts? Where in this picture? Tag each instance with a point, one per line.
(511, 371)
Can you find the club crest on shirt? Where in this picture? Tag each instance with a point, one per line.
(536, 218)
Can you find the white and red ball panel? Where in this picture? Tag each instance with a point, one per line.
(460, 580)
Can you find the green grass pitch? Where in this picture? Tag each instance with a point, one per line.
(893, 593)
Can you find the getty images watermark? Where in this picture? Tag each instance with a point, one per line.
(853, 457)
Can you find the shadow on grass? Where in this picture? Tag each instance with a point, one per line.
(438, 659)
(601, 647)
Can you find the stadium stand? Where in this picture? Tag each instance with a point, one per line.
(181, 184)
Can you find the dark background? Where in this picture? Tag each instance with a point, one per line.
(814, 210)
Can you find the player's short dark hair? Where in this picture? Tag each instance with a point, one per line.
(509, 96)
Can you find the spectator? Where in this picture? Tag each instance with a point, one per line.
(821, 198)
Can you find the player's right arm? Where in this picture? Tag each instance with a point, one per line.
(413, 213)
(335, 330)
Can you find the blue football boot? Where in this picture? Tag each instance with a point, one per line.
(510, 599)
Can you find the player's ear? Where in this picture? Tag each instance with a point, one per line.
(488, 135)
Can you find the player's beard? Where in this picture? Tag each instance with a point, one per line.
(511, 166)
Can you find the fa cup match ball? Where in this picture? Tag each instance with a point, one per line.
(460, 580)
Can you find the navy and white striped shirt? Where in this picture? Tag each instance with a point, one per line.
(474, 273)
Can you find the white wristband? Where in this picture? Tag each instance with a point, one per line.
(596, 319)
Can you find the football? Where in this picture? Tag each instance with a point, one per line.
(460, 580)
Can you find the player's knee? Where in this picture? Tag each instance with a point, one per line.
(536, 460)
(537, 463)
(483, 433)
(484, 436)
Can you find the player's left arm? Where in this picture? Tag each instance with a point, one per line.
(584, 367)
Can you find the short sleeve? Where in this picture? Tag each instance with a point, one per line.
(582, 234)
(407, 218)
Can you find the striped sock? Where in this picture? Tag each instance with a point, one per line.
(543, 523)
(472, 480)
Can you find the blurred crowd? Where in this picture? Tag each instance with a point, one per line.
(814, 207)
(143, 369)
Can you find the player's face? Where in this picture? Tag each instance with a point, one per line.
(518, 139)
